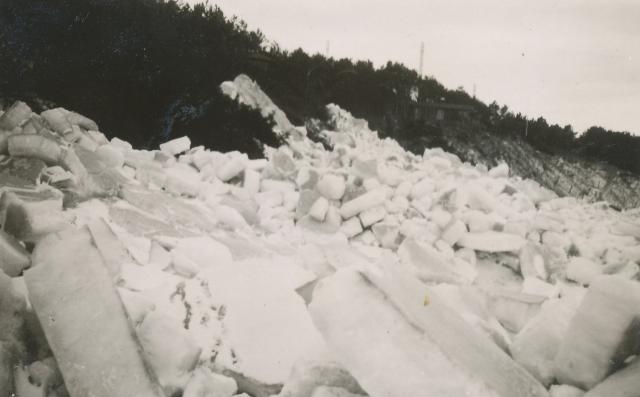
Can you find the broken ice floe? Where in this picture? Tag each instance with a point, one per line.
(186, 270)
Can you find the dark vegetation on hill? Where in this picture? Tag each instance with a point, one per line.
(149, 70)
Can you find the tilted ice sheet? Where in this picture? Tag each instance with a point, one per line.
(397, 338)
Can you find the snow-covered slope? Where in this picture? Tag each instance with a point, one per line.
(361, 269)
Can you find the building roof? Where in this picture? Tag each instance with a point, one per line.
(445, 106)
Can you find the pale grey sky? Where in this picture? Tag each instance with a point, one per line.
(573, 61)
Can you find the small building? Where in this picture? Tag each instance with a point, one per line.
(442, 112)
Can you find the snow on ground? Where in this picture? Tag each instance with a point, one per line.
(361, 269)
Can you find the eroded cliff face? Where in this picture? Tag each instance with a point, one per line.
(567, 177)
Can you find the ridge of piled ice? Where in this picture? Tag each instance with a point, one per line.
(482, 291)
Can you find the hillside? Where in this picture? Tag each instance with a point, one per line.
(567, 175)
(157, 66)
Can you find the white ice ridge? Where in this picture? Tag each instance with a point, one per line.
(346, 267)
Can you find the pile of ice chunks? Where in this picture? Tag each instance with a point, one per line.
(361, 269)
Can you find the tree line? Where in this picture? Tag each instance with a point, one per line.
(149, 70)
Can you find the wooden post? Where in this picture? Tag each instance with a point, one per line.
(421, 58)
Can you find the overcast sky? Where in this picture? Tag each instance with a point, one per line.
(574, 62)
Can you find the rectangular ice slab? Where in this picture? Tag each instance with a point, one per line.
(13, 257)
(361, 203)
(398, 339)
(536, 346)
(176, 146)
(600, 335)
(492, 242)
(85, 322)
(111, 249)
(624, 383)
(29, 215)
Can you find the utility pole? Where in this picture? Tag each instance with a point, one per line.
(474, 91)
(326, 50)
(421, 58)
